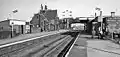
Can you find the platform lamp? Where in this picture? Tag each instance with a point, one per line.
(12, 24)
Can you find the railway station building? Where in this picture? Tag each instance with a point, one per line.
(45, 20)
(12, 27)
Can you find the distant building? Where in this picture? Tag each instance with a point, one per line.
(97, 21)
(67, 22)
(112, 22)
(7, 26)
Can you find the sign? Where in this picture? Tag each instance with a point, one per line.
(15, 22)
(113, 21)
(100, 19)
(27, 26)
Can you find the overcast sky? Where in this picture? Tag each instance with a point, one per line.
(27, 8)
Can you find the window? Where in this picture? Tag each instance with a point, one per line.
(1, 28)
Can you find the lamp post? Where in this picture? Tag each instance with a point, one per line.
(12, 24)
(11, 14)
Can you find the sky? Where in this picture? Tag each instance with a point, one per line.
(27, 8)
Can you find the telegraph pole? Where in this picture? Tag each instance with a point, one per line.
(101, 20)
(99, 12)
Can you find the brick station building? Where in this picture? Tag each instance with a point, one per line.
(45, 20)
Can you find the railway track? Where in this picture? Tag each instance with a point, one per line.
(54, 49)
(49, 46)
(9, 51)
(66, 50)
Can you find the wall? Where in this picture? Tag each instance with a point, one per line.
(4, 25)
(5, 31)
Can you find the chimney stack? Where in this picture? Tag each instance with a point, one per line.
(112, 14)
(41, 7)
(46, 7)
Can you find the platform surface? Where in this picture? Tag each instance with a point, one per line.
(27, 36)
(102, 48)
(94, 48)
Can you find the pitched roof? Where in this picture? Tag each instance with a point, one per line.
(49, 14)
(13, 19)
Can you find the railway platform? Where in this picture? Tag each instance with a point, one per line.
(28, 36)
(102, 48)
(38, 45)
(86, 47)
(78, 50)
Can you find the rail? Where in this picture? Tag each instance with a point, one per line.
(66, 50)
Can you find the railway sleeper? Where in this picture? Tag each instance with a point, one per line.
(58, 49)
(27, 52)
(45, 51)
(16, 47)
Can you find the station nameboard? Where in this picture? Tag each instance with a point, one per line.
(113, 24)
(113, 20)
